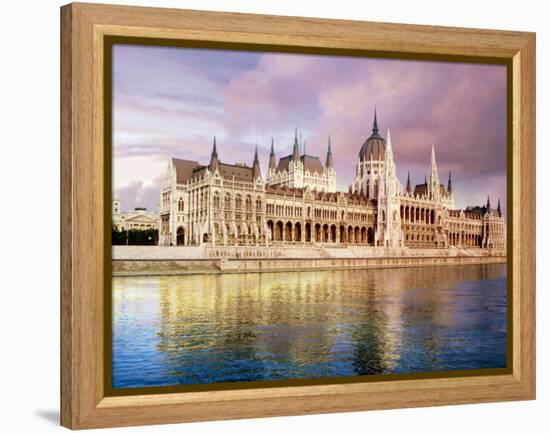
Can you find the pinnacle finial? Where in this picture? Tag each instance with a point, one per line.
(375, 124)
(450, 184)
(271, 164)
(488, 203)
(296, 147)
(329, 163)
(214, 157)
(256, 172)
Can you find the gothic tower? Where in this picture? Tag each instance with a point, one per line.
(272, 164)
(434, 191)
(389, 231)
(256, 172)
(295, 166)
(214, 162)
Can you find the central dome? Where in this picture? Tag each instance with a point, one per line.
(374, 147)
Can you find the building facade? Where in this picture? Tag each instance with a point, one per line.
(137, 219)
(297, 204)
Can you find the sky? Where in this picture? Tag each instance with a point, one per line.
(171, 102)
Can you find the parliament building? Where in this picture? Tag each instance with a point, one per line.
(297, 203)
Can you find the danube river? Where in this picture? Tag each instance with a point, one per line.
(199, 329)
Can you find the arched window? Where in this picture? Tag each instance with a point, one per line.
(238, 202)
(227, 201)
(258, 204)
(180, 205)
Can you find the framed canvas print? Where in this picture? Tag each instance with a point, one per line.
(270, 216)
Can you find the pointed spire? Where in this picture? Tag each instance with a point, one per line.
(434, 186)
(272, 156)
(498, 208)
(450, 184)
(329, 163)
(409, 187)
(425, 179)
(256, 173)
(214, 163)
(375, 123)
(488, 205)
(389, 149)
(256, 155)
(296, 147)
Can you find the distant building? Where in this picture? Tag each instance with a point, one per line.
(137, 219)
(231, 204)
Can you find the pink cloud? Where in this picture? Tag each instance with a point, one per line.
(245, 98)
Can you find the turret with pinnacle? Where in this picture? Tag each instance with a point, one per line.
(329, 162)
(296, 147)
(272, 163)
(214, 162)
(256, 172)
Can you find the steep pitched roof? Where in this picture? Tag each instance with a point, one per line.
(184, 169)
(240, 172)
(311, 163)
(423, 189)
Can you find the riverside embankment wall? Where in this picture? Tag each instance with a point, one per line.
(202, 266)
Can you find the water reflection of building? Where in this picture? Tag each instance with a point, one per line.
(329, 323)
(297, 204)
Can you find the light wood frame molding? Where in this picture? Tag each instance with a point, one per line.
(83, 400)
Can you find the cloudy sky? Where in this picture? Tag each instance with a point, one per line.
(173, 101)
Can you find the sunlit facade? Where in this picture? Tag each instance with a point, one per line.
(297, 204)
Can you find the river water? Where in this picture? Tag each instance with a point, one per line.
(199, 329)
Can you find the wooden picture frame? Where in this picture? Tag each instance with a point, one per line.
(84, 27)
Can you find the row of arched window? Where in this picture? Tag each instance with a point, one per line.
(418, 215)
(228, 198)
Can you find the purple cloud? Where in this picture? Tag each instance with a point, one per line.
(172, 101)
